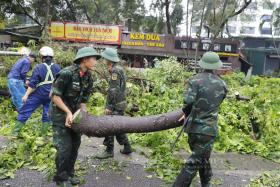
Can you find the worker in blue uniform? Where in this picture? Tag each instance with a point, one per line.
(17, 78)
(38, 92)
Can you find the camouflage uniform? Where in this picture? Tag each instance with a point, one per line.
(205, 93)
(74, 89)
(116, 102)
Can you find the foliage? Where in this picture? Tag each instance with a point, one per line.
(267, 179)
(29, 150)
(165, 93)
(217, 13)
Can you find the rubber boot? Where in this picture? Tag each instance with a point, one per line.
(205, 184)
(17, 128)
(65, 184)
(44, 128)
(74, 180)
(126, 149)
(108, 153)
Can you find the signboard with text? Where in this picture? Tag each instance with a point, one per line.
(107, 34)
(143, 41)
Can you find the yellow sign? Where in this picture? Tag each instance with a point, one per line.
(143, 36)
(228, 54)
(57, 30)
(143, 39)
(109, 34)
(133, 43)
(95, 33)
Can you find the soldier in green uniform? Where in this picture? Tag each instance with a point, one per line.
(71, 90)
(202, 100)
(116, 101)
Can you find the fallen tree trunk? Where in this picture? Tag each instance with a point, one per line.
(109, 125)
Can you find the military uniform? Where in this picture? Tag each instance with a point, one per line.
(202, 100)
(74, 88)
(116, 102)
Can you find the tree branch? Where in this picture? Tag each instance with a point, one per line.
(222, 25)
(246, 4)
(74, 15)
(27, 14)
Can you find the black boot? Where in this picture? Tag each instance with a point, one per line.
(108, 153)
(205, 184)
(126, 149)
(74, 180)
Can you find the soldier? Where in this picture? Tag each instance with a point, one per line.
(116, 101)
(17, 79)
(71, 90)
(203, 97)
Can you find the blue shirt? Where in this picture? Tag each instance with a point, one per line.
(20, 69)
(38, 75)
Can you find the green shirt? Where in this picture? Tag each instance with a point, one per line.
(73, 89)
(116, 94)
(202, 100)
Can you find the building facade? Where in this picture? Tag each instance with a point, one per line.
(255, 21)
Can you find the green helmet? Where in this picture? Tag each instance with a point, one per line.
(86, 52)
(210, 60)
(111, 55)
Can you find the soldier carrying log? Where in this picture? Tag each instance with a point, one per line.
(71, 90)
(203, 97)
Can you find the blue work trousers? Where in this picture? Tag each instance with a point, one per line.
(32, 103)
(17, 91)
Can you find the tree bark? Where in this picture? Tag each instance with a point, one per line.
(110, 125)
(168, 24)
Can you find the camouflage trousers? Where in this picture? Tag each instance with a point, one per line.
(121, 138)
(201, 147)
(67, 143)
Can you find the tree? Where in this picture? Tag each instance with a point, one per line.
(98, 11)
(218, 13)
(176, 15)
(171, 20)
(102, 126)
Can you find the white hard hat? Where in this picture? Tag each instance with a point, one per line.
(24, 51)
(46, 51)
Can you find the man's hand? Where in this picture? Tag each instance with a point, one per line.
(69, 120)
(108, 112)
(24, 98)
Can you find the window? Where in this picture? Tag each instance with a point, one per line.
(228, 48)
(184, 45)
(266, 18)
(217, 47)
(247, 30)
(206, 46)
(266, 31)
(248, 17)
(194, 45)
(231, 29)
